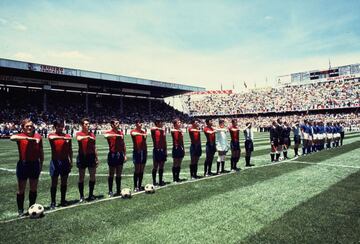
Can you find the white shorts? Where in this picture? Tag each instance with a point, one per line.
(316, 136)
(329, 136)
(306, 136)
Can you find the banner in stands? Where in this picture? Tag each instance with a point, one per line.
(211, 92)
(51, 69)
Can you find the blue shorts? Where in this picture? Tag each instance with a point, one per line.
(59, 167)
(115, 159)
(86, 161)
(249, 146)
(195, 150)
(159, 155)
(178, 152)
(210, 148)
(235, 145)
(139, 157)
(27, 169)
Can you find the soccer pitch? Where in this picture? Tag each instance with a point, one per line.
(313, 199)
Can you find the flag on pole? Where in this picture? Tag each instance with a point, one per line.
(245, 84)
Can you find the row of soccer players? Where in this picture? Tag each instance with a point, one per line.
(31, 155)
(315, 136)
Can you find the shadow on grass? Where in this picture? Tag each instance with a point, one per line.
(329, 217)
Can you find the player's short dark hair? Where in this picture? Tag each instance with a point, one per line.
(248, 123)
(138, 120)
(113, 120)
(233, 120)
(193, 121)
(83, 121)
(207, 120)
(221, 121)
(175, 121)
(58, 122)
(279, 120)
(157, 121)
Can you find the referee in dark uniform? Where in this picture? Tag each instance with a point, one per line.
(279, 129)
(274, 140)
(249, 145)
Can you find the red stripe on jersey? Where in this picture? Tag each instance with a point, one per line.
(60, 148)
(234, 134)
(209, 136)
(29, 150)
(178, 139)
(116, 143)
(139, 141)
(158, 137)
(86, 146)
(194, 136)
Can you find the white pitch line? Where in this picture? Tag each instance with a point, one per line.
(158, 188)
(326, 164)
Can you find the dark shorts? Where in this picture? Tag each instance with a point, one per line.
(159, 155)
(59, 167)
(178, 152)
(297, 139)
(275, 142)
(86, 161)
(195, 150)
(235, 145)
(249, 146)
(139, 157)
(210, 148)
(342, 135)
(281, 141)
(28, 169)
(287, 142)
(115, 159)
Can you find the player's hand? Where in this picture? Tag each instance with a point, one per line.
(41, 166)
(125, 158)
(97, 162)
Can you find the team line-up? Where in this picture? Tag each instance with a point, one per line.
(316, 136)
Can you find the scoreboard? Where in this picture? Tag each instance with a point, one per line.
(341, 72)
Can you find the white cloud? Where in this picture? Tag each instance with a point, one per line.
(23, 56)
(268, 17)
(19, 26)
(69, 55)
(3, 21)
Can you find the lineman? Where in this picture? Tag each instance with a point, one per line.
(297, 138)
(274, 140)
(249, 146)
(286, 138)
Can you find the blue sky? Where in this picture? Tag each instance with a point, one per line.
(203, 43)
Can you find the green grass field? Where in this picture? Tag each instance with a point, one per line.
(313, 199)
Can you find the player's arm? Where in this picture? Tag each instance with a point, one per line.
(80, 138)
(54, 137)
(41, 154)
(17, 138)
(96, 158)
(70, 154)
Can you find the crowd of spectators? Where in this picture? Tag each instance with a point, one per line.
(17, 105)
(327, 95)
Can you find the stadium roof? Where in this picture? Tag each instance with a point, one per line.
(19, 72)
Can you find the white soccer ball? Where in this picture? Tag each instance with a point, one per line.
(126, 193)
(36, 211)
(149, 188)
